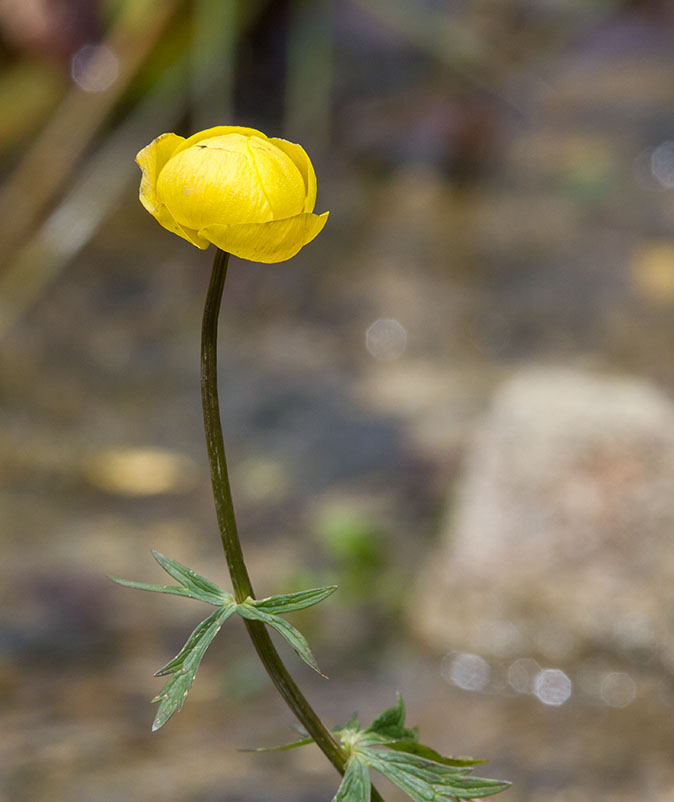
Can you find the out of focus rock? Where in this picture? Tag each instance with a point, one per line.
(560, 544)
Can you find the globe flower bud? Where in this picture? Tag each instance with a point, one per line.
(249, 195)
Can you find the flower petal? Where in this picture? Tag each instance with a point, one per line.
(219, 130)
(274, 241)
(303, 164)
(164, 218)
(151, 159)
(280, 180)
(205, 185)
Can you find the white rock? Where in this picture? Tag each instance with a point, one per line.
(561, 540)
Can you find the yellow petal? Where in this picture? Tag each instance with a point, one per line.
(151, 159)
(279, 177)
(274, 241)
(303, 164)
(231, 179)
(215, 182)
(164, 218)
(220, 130)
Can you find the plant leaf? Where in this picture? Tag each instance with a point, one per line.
(478, 787)
(430, 754)
(355, 785)
(419, 790)
(294, 637)
(427, 781)
(390, 723)
(199, 585)
(419, 767)
(176, 590)
(284, 748)
(185, 664)
(288, 602)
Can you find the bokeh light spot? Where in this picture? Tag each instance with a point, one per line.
(94, 68)
(662, 164)
(522, 675)
(618, 689)
(552, 687)
(467, 671)
(386, 339)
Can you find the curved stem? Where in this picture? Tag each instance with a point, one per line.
(215, 444)
(228, 530)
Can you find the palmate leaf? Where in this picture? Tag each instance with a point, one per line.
(294, 637)
(355, 785)
(185, 664)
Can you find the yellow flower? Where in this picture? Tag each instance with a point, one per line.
(249, 195)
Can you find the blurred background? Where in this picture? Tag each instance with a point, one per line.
(456, 403)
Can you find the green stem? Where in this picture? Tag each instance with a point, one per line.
(228, 530)
(215, 444)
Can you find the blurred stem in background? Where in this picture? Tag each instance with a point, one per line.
(214, 40)
(84, 208)
(43, 171)
(309, 78)
(440, 34)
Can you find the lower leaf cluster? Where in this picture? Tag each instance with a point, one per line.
(393, 750)
(387, 745)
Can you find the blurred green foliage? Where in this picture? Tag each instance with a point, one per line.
(355, 547)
